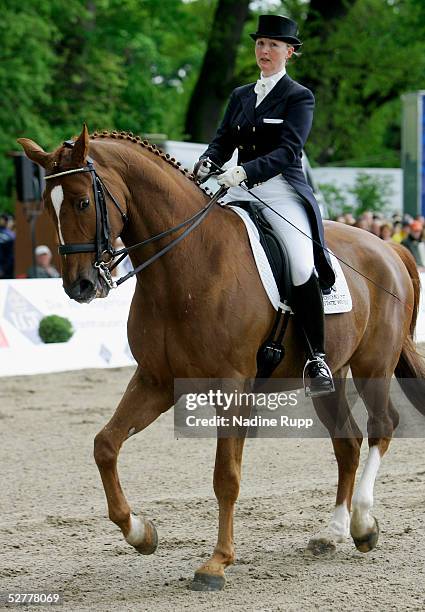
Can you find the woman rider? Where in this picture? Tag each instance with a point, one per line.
(269, 122)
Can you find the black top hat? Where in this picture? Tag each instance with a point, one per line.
(278, 27)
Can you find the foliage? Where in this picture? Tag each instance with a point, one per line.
(335, 199)
(361, 68)
(371, 192)
(27, 60)
(358, 67)
(132, 65)
(121, 64)
(54, 328)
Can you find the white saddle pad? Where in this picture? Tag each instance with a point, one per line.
(339, 300)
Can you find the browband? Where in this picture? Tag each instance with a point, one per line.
(84, 169)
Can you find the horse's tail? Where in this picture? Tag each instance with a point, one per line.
(410, 370)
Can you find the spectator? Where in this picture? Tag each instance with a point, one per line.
(386, 231)
(349, 219)
(401, 231)
(415, 244)
(7, 244)
(362, 223)
(43, 267)
(375, 228)
(367, 218)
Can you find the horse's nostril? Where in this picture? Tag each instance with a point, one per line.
(81, 290)
(85, 286)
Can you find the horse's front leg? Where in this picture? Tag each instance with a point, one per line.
(227, 475)
(141, 404)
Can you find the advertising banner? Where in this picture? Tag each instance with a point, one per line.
(100, 337)
(99, 340)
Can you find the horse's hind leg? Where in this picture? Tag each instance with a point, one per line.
(227, 475)
(141, 404)
(334, 412)
(383, 419)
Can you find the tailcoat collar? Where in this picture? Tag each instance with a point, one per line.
(274, 97)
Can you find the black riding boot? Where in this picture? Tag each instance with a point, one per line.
(308, 309)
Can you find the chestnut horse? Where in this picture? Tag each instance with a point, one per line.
(200, 311)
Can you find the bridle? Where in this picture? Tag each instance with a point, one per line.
(102, 246)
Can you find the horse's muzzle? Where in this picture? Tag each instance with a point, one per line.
(82, 290)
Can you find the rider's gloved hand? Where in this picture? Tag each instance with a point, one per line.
(202, 169)
(232, 177)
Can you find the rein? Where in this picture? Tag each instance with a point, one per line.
(196, 219)
(219, 170)
(105, 253)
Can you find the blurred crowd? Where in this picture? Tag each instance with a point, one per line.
(7, 246)
(42, 264)
(403, 229)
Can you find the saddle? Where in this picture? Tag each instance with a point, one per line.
(274, 249)
(271, 352)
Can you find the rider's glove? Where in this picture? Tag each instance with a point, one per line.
(232, 177)
(202, 169)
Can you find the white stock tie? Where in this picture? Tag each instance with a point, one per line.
(264, 85)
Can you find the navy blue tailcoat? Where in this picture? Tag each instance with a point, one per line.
(270, 139)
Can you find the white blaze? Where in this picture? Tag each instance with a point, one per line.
(56, 196)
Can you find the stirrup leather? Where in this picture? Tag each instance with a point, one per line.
(309, 392)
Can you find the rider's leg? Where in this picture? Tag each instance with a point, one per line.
(307, 296)
(308, 307)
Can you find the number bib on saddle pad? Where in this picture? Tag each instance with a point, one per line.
(338, 300)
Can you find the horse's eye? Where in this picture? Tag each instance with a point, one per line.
(83, 204)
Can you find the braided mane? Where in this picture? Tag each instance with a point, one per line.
(145, 144)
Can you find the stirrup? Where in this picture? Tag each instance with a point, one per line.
(309, 392)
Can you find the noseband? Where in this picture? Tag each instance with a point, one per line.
(105, 253)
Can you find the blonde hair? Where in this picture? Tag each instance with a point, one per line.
(295, 53)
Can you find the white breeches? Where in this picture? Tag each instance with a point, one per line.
(278, 194)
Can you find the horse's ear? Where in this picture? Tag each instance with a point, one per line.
(34, 152)
(81, 147)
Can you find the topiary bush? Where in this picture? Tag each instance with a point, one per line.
(55, 329)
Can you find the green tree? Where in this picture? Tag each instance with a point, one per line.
(134, 64)
(335, 198)
(123, 64)
(88, 77)
(371, 193)
(217, 71)
(372, 56)
(26, 63)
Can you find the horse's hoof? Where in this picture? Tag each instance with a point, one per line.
(367, 542)
(150, 540)
(207, 582)
(321, 547)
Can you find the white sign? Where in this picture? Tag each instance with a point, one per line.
(100, 338)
